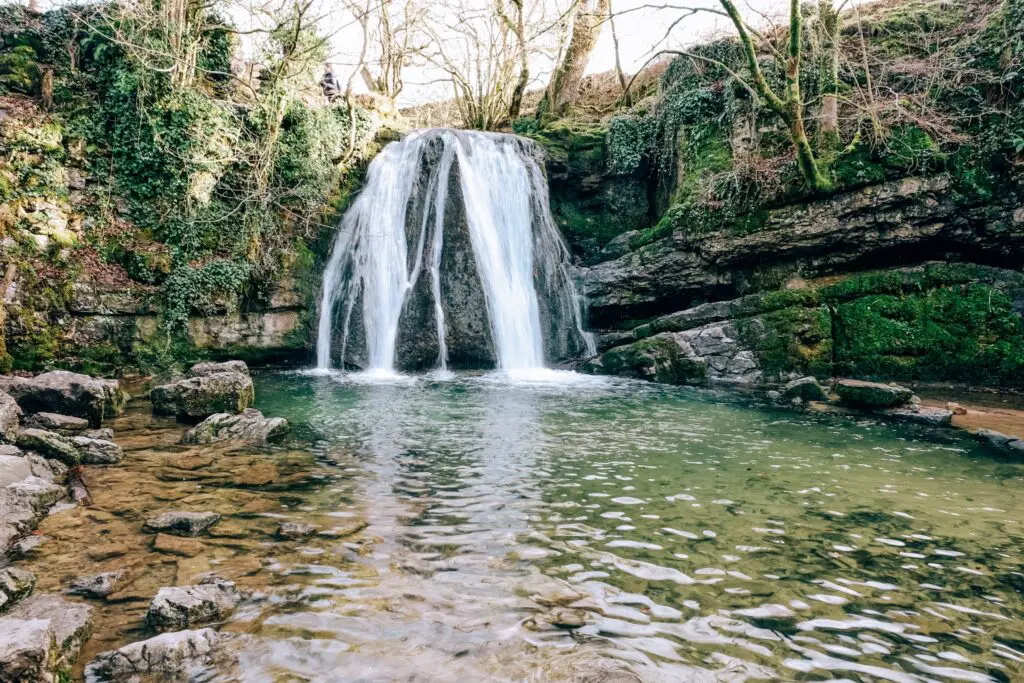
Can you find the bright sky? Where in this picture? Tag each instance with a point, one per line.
(639, 24)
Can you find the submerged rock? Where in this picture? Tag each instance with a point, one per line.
(49, 444)
(806, 389)
(176, 545)
(15, 584)
(204, 395)
(872, 394)
(167, 656)
(10, 414)
(184, 606)
(296, 530)
(98, 585)
(65, 425)
(66, 393)
(250, 425)
(1010, 445)
(97, 451)
(183, 523)
(931, 416)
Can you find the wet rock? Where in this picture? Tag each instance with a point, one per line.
(50, 445)
(97, 451)
(69, 622)
(956, 408)
(27, 546)
(26, 649)
(15, 584)
(184, 606)
(806, 389)
(176, 545)
(106, 551)
(250, 425)
(66, 393)
(937, 417)
(65, 425)
(168, 656)
(773, 395)
(205, 395)
(183, 523)
(206, 369)
(872, 394)
(10, 414)
(1010, 445)
(296, 530)
(103, 434)
(98, 585)
(659, 359)
(564, 618)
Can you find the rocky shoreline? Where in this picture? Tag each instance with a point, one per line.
(53, 427)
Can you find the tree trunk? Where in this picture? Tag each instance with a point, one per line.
(565, 82)
(828, 123)
(516, 104)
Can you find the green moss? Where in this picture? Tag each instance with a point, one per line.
(968, 332)
(658, 359)
(792, 339)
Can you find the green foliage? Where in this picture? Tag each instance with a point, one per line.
(629, 143)
(19, 70)
(795, 339)
(197, 289)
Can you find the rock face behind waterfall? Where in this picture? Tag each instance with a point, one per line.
(436, 202)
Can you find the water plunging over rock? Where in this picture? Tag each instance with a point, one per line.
(450, 257)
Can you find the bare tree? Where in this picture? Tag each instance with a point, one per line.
(562, 90)
(392, 36)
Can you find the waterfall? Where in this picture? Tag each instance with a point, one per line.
(468, 212)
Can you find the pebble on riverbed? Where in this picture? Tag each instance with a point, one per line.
(183, 523)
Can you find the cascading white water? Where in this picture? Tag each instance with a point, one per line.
(515, 246)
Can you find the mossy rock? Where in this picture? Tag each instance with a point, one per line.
(658, 359)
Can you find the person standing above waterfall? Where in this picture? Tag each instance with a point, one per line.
(330, 83)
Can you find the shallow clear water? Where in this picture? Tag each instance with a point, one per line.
(571, 528)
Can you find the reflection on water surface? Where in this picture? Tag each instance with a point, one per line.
(607, 530)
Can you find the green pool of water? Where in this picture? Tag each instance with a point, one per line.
(577, 527)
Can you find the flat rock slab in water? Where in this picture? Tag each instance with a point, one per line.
(66, 393)
(1007, 444)
(49, 444)
(250, 425)
(204, 395)
(296, 530)
(176, 545)
(185, 606)
(97, 451)
(183, 523)
(806, 389)
(167, 655)
(938, 417)
(872, 394)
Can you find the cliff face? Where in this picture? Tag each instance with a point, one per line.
(908, 266)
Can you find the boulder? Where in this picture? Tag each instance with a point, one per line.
(183, 523)
(13, 468)
(26, 651)
(65, 425)
(15, 584)
(69, 622)
(1010, 445)
(207, 369)
(872, 394)
(10, 414)
(98, 585)
(184, 606)
(66, 393)
(50, 445)
(168, 656)
(806, 389)
(250, 425)
(103, 434)
(97, 451)
(659, 359)
(199, 397)
(22, 505)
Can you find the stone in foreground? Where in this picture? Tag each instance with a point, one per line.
(296, 530)
(10, 414)
(66, 393)
(196, 398)
(97, 451)
(26, 649)
(97, 585)
(15, 584)
(70, 623)
(66, 425)
(806, 389)
(50, 445)
(250, 425)
(168, 656)
(206, 369)
(872, 394)
(183, 523)
(181, 607)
